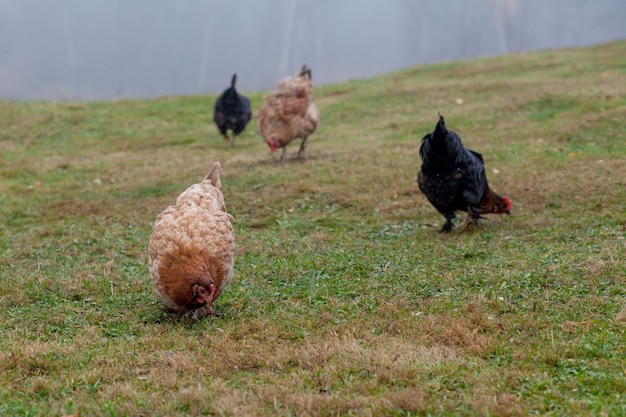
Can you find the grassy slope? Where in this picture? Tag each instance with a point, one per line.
(345, 300)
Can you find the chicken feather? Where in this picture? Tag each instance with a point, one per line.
(232, 111)
(192, 248)
(289, 113)
(453, 178)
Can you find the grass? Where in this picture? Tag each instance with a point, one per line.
(345, 300)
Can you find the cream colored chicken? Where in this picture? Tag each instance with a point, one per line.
(192, 248)
(289, 113)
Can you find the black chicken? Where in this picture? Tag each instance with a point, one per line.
(232, 111)
(453, 179)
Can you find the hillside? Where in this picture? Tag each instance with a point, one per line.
(345, 299)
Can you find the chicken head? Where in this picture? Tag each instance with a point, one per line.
(202, 295)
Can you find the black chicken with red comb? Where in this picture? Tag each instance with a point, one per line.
(453, 179)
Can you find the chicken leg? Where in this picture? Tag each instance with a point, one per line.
(282, 157)
(302, 151)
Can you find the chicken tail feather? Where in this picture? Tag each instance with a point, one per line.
(440, 130)
(306, 71)
(214, 175)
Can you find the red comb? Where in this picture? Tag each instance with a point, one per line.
(507, 202)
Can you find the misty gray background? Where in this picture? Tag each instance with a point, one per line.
(106, 49)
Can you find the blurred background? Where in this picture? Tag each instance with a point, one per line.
(110, 49)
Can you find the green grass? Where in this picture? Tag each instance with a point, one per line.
(345, 299)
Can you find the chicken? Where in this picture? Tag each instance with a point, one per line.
(192, 248)
(289, 113)
(453, 179)
(232, 111)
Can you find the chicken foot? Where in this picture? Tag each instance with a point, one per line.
(449, 225)
(473, 217)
